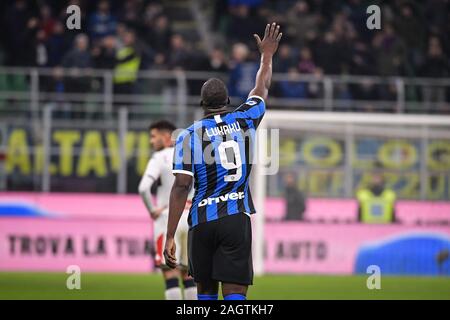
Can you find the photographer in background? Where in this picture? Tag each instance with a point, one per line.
(295, 200)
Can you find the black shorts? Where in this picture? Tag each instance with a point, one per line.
(221, 250)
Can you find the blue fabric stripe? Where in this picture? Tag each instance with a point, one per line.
(200, 172)
(247, 207)
(208, 297)
(211, 210)
(254, 112)
(235, 296)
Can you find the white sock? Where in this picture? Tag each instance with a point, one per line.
(190, 293)
(173, 294)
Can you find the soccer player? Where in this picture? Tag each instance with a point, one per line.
(215, 153)
(159, 173)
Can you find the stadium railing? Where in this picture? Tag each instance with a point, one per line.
(28, 89)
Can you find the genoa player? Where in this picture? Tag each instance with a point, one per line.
(159, 173)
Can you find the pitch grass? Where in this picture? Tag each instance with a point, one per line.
(269, 287)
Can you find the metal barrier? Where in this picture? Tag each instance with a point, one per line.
(174, 92)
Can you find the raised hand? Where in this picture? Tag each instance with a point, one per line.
(269, 44)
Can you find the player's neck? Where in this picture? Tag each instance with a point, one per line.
(209, 112)
(167, 146)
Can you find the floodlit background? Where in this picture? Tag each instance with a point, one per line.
(356, 110)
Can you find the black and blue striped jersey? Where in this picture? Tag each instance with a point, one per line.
(218, 152)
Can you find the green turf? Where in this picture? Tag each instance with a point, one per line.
(141, 286)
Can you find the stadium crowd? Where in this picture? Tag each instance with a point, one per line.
(321, 37)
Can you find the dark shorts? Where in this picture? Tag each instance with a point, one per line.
(221, 250)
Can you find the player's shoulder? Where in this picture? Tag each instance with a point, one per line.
(167, 152)
(182, 134)
(189, 130)
(162, 154)
(195, 128)
(254, 99)
(156, 155)
(251, 101)
(163, 157)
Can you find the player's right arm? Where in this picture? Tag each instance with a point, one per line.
(183, 169)
(267, 47)
(152, 172)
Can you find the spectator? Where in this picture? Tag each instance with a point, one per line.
(284, 59)
(129, 14)
(315, 89)
(158, 35)
(102, 23)
(362, 62)
(58, 43)
(411, 30)
(47, 23)
(104, 54)
(40, 50)
(79, 56)
(78, 59)
(306, 63)
(217, 61)
(295, 200)
(357, 16)
(390, 52)
(329, 53)
(436, 65)
(128, 60)
(436, 16)
(293, 88)
(241, 26)
(19, 24)
(152, 11)
(179, 54)
(341, 26)
(302, 24)
(242, 72)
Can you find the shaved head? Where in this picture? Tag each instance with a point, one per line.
(214, 94)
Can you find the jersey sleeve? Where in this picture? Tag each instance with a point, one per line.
(154, 168)
(182, 156)
(254, 109)
(151, 174)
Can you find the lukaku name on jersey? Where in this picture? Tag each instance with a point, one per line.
(223, 130)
